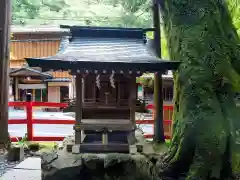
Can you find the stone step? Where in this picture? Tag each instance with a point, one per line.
(22, 174)
(33, 163)
(28, 169)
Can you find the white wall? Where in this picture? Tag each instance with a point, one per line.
(54, 94)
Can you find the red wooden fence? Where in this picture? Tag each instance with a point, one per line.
(30, 121)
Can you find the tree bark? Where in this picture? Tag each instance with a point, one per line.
(4, 70)
(200, 34)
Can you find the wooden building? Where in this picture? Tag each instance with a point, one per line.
(148, 90)
(106, 63)
(50, 86)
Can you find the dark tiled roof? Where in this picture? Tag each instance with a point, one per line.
(93, 48)
(105, 50)
(63, 44)
(27, 71)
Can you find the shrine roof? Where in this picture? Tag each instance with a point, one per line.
(104, 48)
(27, 71)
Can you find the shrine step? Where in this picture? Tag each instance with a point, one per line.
(100, 148)
(100, 124)
(114, 137)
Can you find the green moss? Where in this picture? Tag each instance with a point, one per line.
(205, 112)
(236, 163)
(48, 146)
(160, 148)
(42, 146)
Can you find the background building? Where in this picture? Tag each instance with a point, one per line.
(44, 86)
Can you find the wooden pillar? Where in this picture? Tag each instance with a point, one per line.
(5, 17)
(94, 97)
(16, 98)
(157, 28)
(78, 85)
(34, 95)
(158, 95)
(41, 94)
(47, 92)
(133, 97)
(158, 105)
(119, 92)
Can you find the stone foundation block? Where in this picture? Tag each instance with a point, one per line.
(15, 153)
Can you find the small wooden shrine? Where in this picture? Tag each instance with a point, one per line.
(105, 63)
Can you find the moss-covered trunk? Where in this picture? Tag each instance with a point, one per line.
(200, 34)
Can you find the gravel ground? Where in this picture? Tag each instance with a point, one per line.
(6, 166)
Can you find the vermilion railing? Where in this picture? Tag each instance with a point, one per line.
(167, 112)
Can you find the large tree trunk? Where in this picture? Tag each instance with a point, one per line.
(200, 34)
(5, 17)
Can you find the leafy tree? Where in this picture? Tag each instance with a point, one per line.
(234, 8)
(23, 10)
(30, 7)
(202, 36)
(55, 5)
(130, 13)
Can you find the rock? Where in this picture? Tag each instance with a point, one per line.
(48, 157)
(15, 153)
(36, 154)
(139, 136)
(67, 143)
(141, 143)
(69, 140)
(75, 166)
(97, 167)
(133, 149)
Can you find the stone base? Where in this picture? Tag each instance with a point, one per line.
(15, 154)
(74, 165)
(99, 167)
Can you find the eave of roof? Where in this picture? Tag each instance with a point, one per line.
(98, 67)
(58, 80)
(40, 29)
(34, 71)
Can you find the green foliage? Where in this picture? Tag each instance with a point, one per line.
(133, 6)
(168, 142)
(234, 8)
(132, 13)
(34, 147)
(164, 49)
(28, 8)
(25, 10)
(23, 140)
(145, 81)
(55, 5)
